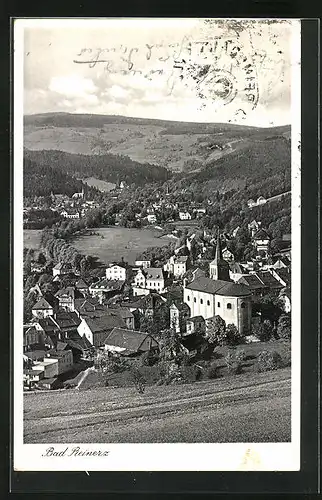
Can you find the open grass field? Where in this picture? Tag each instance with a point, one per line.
(31, 238)
(244, 408)
(112, 243)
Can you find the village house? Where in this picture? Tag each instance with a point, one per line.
(185, 215)
(116, 272)
(152, 219)
(37, 268)
(148, 279)
(64, 359)
(143, 263)
(261, 282)
(130, 342)
(42, 309)
(261, 200)
(251, 203)
(236, 271)
(228, 255)
(179, 314)
(261, 241)
(32, 338)
(61, 269)
(82, 287)
(66, 298)
(124, 313)
(286, 299)
(105, 288)
(253, 227)
(196, 324)
(70, 214)
(177, 265)
(97, 325)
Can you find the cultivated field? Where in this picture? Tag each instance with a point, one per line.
(244, 408)
(31, 238)
(112, 243)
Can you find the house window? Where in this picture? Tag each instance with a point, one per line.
(218, 304)
(229, 305)
(201, 301)
(208, 302)
(243, 305)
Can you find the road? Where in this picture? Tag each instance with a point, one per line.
(245, 408)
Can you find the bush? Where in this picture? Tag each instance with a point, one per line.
(268, 361)
(137, 379)
(263, 331)
(233, 337)
(233, 364)
(190, 373)
(241, 355)
(212, 371)
(284, 327)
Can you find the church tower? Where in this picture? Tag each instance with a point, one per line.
(219, 268)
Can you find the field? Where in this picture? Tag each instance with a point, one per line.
(31, 238)
(245, 408)
(112, 243)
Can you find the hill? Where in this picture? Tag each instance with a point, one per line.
(178, 146)
(108, 167)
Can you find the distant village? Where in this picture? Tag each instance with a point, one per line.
(124, 311)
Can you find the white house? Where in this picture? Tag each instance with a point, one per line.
(184, 216)
(117, 272)
(42, 309)
(177, 266)
(143, 263)
(151, 218)
(148, 279)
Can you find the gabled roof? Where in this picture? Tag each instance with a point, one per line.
(181, 260)
(154, 273)
(107, 285)
(66, 319)
(236, 267)
(261, 234)
(68, 292)
(42, 304)
(123, 312)
(81, 284)
(104, 322)
(252, 281)
(130, 340)
(284, 274)
(61, 266)
(218, 287)
(268, 279)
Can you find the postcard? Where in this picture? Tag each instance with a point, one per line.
(157, 236)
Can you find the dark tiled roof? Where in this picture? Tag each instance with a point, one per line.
(131, 340)
(68, 291)
(218, 287)
(252, 281)
(42, 304)
(65, 319)
(107, 285)
(284, 274)
(104, 322)
(81, 284)
(261, 234)
(268, 279)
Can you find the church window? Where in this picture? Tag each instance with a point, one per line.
(188, 298)
(218, 304)
(195, 300)
(229, 305)
(201, 301)
(208, 302)
(243, 305)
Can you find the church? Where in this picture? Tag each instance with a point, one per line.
(219, 296)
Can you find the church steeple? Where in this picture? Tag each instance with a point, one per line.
(220, 268)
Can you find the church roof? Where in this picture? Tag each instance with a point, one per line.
(218, 287)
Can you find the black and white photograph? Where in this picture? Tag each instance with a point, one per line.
(157, 244)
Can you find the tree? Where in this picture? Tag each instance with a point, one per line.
(41, 259)
(263, 331)
(216, 330)
(233, 337)
(284, 327)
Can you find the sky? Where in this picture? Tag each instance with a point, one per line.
(174, 69)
